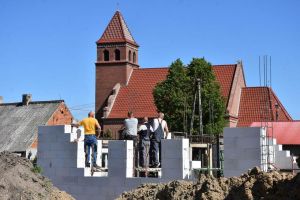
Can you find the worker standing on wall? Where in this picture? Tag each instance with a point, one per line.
(145, 132)
(92, 129)
(161, 131)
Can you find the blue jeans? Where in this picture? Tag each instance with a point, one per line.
(90, 141)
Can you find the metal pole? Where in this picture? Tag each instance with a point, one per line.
(193, 113)
(200, 108)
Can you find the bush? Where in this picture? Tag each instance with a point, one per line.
(36, 168)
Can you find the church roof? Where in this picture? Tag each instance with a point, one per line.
(137, 95)
(225, 75)
(258, 104)
(19, 123)
(117, 31)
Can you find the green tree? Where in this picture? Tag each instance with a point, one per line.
(169, 95)
(176, 95)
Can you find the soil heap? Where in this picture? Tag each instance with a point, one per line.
(18, 181)
(256, 184)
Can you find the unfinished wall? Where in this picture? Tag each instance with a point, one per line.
(63, 162)
(242, 150)
(245, 148)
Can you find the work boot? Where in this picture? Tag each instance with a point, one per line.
(96, 166)
(87, 164)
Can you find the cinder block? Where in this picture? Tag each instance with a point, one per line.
(172, 163)
(172, 174)
(117, 162)
(116, 182)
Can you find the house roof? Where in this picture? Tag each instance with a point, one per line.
(117, 31)
(258, 104)
(137, 95)
(19, 124)
(287, 133)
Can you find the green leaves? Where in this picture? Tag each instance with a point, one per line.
(175, 97)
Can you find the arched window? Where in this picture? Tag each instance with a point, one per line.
(129, 55)
(134, 57)
(117, 54)
(106, 55)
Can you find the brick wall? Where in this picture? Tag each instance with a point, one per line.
(61, 116)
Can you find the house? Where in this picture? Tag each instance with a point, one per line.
(19, 123)
(122, 85)
(286, 133)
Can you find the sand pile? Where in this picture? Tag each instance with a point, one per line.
(18, 181)
(253, 185)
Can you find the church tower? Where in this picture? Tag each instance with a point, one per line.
(117, 56)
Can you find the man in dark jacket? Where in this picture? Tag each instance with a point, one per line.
(144, 132)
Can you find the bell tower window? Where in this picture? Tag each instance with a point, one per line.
(117, 54)
(129, 55)
(134, 57)
(106, 55)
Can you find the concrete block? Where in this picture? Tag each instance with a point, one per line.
(86, 181)
(133, 182)
(172, 163)
(116, 182)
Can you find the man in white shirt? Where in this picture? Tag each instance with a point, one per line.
(161, 131)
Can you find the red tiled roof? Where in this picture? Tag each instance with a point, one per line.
(224, 75)
(137, 95)
(284, 132)
(117, 31)
(258, 104)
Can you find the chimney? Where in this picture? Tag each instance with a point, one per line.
(1, 99)
(26, 98)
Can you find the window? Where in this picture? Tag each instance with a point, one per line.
(134, 57)
(117, 54)
(106, 55)
(129, 55)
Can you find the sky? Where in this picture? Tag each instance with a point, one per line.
(47, 47)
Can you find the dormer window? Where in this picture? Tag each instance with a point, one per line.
(117, 54)
(106, 55)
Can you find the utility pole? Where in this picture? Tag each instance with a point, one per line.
(200, 107)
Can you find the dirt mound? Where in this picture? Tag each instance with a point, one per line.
(253, 185)
(18, 181)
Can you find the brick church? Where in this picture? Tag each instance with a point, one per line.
(122, 85)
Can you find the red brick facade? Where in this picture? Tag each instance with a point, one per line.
(61, 116)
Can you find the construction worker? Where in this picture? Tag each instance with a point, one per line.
(161, 131)
(145, 132)
(91, 127)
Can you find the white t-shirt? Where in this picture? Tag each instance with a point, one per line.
(156, 124)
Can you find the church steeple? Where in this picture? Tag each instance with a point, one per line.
(117, 56)
(116, 43)
(117, 31)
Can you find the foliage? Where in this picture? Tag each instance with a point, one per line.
(175, 97)
(36, 168)
(107, 133)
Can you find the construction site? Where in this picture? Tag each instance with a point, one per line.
(255, 156)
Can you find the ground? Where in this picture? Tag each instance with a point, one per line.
(19, 181)
(253, 185)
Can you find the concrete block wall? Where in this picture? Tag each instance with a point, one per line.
(63, 162)
(242, 150)
(175, 163)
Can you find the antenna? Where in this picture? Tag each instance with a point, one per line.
(118, 6)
